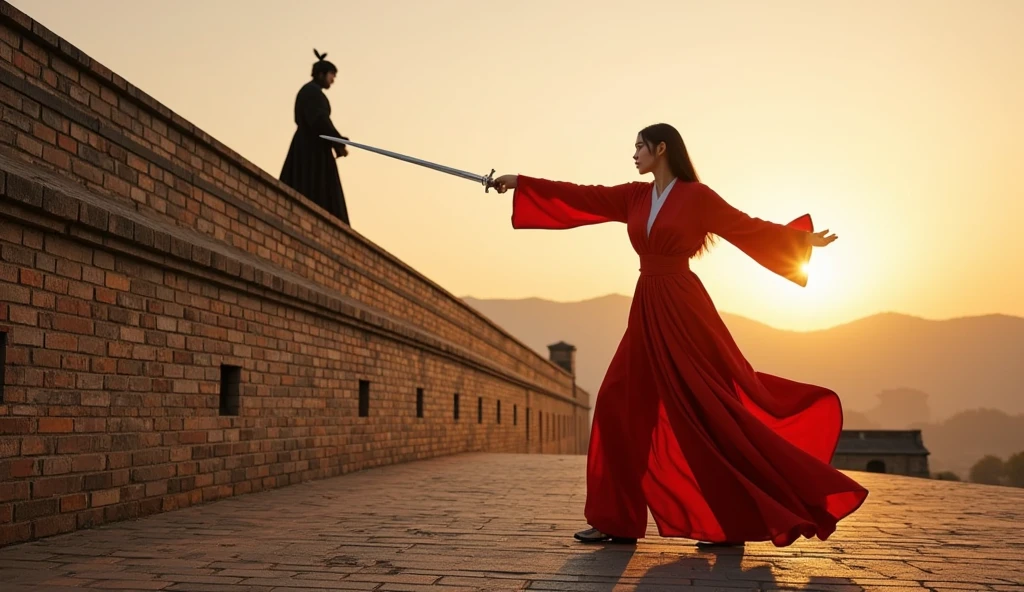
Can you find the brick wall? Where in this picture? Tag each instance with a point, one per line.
(176, 326)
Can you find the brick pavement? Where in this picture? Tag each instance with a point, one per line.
(495, 521)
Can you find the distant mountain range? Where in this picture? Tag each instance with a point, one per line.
(962, 364)
(961, 381)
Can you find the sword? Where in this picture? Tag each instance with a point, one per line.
(486, 180)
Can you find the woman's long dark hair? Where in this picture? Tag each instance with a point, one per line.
(675, 149)
(678, 161)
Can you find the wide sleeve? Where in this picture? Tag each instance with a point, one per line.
(781, 248)
(316, 110)
(558, 205)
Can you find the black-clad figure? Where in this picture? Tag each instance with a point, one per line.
(310, 166)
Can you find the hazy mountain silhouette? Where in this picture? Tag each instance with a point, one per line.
(962, 364)
(960, 441)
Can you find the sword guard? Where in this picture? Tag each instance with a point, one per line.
(489, 182)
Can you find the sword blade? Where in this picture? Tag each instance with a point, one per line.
(486, 180)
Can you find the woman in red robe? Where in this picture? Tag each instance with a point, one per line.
(683, 425)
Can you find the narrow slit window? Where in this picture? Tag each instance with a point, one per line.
(419, 402)
(515, 415)
(479, 409)
(456, 407)
(364, 398)
(3, 364)
(497, 412)
(230, 388)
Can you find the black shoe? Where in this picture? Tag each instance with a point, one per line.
(707, 545)
(593, 535)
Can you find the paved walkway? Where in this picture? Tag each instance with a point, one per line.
(505, 522)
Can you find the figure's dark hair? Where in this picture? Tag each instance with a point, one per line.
(678, 161)
(322, 66)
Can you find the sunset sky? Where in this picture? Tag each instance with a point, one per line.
(898, 125)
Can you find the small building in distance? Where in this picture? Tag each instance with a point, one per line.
(899, 452)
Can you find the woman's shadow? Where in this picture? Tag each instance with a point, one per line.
(657, 568)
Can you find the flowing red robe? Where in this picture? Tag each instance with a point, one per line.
(683, 424)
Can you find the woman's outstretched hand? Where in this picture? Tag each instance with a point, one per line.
(505, 182)
(820, 239)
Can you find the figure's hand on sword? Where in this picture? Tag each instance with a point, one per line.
(505, 182)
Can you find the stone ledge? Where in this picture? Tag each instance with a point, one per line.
(40, 198)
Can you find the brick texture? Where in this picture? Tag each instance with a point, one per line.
(139, 257)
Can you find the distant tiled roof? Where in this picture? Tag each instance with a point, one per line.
(561, 345)
(881, 442)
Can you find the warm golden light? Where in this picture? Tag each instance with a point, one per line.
(859, 133)
(817, 271)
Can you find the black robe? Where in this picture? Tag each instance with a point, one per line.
(310, 167)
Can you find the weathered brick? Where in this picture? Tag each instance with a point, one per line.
(87, 171)
(91, 424)
(74, 503)
(67, 143)
(80, 291)
(97, 481)
(34, 509)
(17, 255)
(60, 205)
(15, 425)
(31, 445)
(161, 241)
(93, 216)
(10, 446)
(69, 269)
(121, 226)
(55, 486)
(19, 120)
(70, 324)
(105, 498)
(78, 444)
(118, 282)
(56, 466)
(28, 144)
(53, 283)
(61, 342)
(70, 305)
(56, 425)
(23, 315)
(42, 358)
(15, 294)
(11, 233)
(31, 277)
(33, 239)
(15, 533)
(106, 296)
(88, 463)
(67, 249)
(52, 525)
(14, 491)
(57, 157)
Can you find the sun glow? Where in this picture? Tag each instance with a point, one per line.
(816, 270)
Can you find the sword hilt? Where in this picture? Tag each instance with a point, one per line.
(489, 182)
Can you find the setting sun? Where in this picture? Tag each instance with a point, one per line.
(817, 270)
